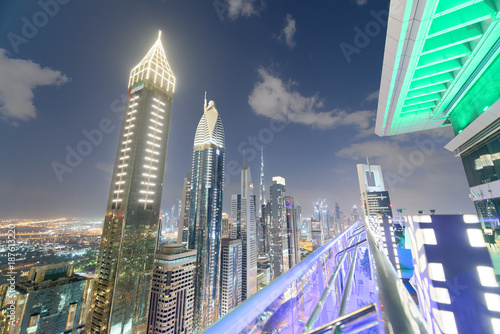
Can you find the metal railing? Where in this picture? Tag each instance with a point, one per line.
(346, 286)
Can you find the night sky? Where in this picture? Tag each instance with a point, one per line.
(258, 60)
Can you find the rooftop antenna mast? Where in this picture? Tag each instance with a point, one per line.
(205, 105)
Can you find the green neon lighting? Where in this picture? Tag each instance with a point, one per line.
(484, 92)
(446, 56)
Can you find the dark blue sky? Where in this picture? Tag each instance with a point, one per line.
(251, 66)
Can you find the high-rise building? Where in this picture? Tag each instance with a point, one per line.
(235, 216)
(317, 236)
(183, 233)
(172, 291)
(231, 274)
(374, 198)
(206, 213)
(126, 254)
(293, 233)
(226, 226)
(248, 236)
(52, 300)
(354, 214)
(278, 236)
(262, 187)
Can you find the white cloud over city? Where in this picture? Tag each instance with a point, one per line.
(19, 79)
(243, 8)
(277, 99)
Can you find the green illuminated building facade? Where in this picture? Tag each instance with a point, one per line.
(442, 69)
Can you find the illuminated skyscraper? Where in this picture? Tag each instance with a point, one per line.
(248, 235)
(374, 198)
(230, 274)
(182, 234)
(278, 236)
(171, 307)
(206, 213)
(292, 223)
(126, 255)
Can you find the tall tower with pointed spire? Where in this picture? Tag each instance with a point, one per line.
(206, 213)
(125, 265)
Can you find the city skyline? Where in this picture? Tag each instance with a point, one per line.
(290, 73)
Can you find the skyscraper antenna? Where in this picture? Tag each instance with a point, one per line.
(159, 34)
(243, 158)
(205, 105)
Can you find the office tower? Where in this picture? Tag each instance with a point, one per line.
(264, 276)
(52, 300)
(248, 235)
(355, 214)
(206, 213)
(260, 233)
(236, 216)
(183, 233)
(374, 198)
(126, 255)
(262, 187)
(172, 291)
(231, 275)
(317, 236)
(226, 226)
(321, 214)
(278, 236)
(293, 233)
(266, 222)
(454, 277)
(305, 229)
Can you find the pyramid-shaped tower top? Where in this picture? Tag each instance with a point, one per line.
(210, 129)
(154, 67)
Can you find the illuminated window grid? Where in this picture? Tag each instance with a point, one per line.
(126, 146)
(153, 145)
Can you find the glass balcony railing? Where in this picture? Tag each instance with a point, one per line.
(346, 286)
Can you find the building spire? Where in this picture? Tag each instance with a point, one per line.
(243, 158)
(205, 105)
(159, 34)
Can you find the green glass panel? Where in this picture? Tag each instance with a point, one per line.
(478, 99)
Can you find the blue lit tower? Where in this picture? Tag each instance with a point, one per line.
(125, 265)
(206, 214)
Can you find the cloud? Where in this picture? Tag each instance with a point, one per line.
(237, 8)
(19, 78)
(361, 2)
(273, 98)
(372, 96)
(288, 31)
